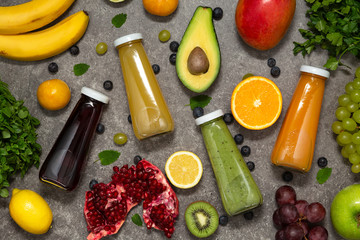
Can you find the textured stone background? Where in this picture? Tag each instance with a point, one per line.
(237, 60)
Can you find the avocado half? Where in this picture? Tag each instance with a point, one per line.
(199, 33)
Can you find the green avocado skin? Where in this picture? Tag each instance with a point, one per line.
(199, 33)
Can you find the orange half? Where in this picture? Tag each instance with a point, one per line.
(256, 103)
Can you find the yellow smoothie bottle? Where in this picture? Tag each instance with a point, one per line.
(149, 113)
(294, 147)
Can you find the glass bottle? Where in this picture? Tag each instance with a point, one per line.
(294, 147)
(237, 188)
(149, 113)
(63, 165)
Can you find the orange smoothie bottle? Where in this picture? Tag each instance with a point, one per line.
(294, 147)
(149, 113)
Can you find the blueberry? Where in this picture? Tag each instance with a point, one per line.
(129, 119)
(249, 215)
(271, 62)
(250, 165)
(239, 139)
(100, 128)
(74, 50)
(287, 176)
(322, 162)
(275, 71)
(137, 159)
(245, 151)
(156, 68)
(92, 184)
(217, 13)
(53, 67)
(198, 112)
(174, 45)
(172, 58)
(223, 220)
(108, 85)
(228, 118)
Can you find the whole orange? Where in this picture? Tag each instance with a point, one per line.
(160, 7)
(53, 94)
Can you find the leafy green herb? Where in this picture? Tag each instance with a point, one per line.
(108, 156)
(119, 20)
(323, 175)
(80, 69)
(333, 26)
(18, 147)
(137, 219)
(199, 101)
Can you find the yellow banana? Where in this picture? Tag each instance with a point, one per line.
(46, 43)
(31, 15)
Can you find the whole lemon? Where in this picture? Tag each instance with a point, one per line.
(53, 94)
(30, 211)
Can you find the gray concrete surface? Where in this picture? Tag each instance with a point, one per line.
(237, 60)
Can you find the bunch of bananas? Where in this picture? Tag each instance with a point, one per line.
(16, 22)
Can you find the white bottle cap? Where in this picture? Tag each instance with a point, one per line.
(127, 38)
(315, 70)
(95, 95)
(208, 117)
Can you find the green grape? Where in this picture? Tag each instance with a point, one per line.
(101, 48)
(247, 76)
(355, 96)
(344, 138)
(350, 148)
(356, 83)
(356, 116)
(120, 138)
(344, 100)
(357, 72)
(164, 36)
(357, 146)
(354, 158)
(352, 107)
(355, 168)
(342, 113)
(349, 87)
(339, 143)
(337, 127)
(355, 138)
(349, 124)
(344, 153)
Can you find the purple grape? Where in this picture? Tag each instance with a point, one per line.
(318, 233)
(300, 206)
(280, 235)
(315, 212)
(285, 195)
(277, 219)
(293, 232)
(305, 227)
(288, 214)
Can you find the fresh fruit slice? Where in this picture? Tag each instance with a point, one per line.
(201, 219)
(53, 94)
(107, 205)
(256, 103)
(184, 169)
(30, 211)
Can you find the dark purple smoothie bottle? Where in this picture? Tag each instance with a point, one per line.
(63, 165)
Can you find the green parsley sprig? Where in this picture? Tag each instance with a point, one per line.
(333, 26)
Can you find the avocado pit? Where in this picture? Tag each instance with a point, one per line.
(197, 63)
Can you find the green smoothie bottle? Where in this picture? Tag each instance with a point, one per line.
(237, 188)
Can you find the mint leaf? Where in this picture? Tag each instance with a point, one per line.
(108, 157)
(80, 69)
(119, 20)
(199, 101)
(137, 219)
(332, 63)
(323, 175)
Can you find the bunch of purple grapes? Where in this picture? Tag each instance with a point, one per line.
(296, 219)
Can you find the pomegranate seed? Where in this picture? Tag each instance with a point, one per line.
(116, 169)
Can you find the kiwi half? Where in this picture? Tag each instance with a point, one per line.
(201, 219)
